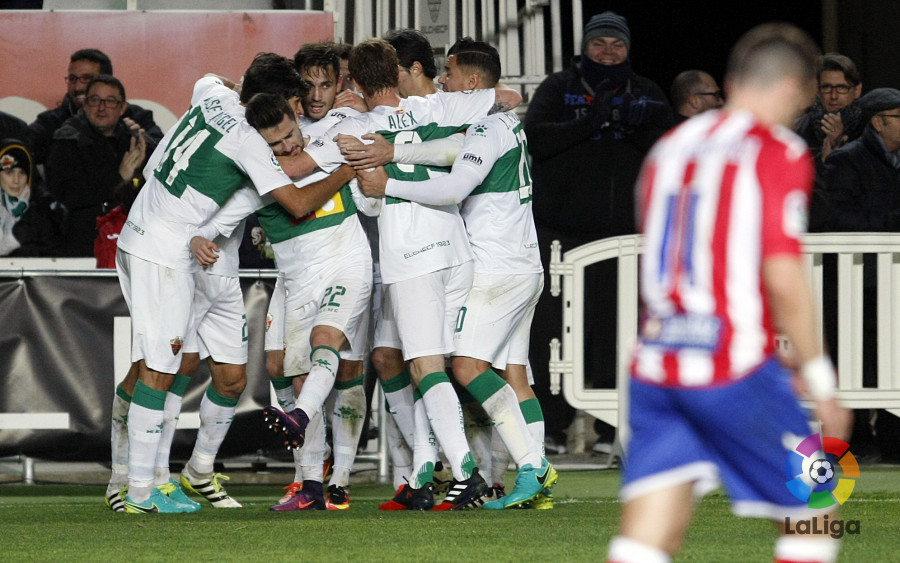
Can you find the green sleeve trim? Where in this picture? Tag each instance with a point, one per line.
(219, 399)
(121, 393)
(431, 380)
(148, 397)
(349, 384)
(531, 410)
(180, 385)
(485, 385)
(397, 382)
(280, 383)
(416, 395)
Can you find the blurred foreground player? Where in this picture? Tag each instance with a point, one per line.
(722, 201)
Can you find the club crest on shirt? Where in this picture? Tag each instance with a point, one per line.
(275, 162)
(176, 344)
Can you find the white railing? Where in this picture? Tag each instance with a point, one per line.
(610, 405)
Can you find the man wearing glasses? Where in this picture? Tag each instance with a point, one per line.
(693, 92)
(834, 118)
(91, 154)
(84, 64)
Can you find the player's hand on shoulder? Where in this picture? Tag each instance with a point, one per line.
(349, 98)
(361, 155)
(372, 182)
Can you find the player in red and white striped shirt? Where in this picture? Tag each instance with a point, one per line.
(722, 200)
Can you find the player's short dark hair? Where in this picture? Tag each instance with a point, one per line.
(274, 74)
(107, 79)
(95, 56)
(684, 85)
(373, 66)
(412, 46)
(770, 52)
(478, 55)
(317, 55)
(343, 50)
(266, 110)
(839, 63)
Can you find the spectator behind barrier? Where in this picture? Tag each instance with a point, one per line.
(861, 193)
(84, 64)
(30, 221)
(834, 118)
(588, 129)
(91, 154)
(693, 92)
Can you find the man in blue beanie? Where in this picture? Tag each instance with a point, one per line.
(588, 129)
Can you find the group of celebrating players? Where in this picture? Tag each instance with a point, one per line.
(456, 275)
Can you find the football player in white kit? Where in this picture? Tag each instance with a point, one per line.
(425, 256)
(209, 153)
(319, 65)
(491, 179)
(326, 300)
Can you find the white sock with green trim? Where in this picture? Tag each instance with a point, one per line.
(400, 452)
(174, 398)
(425, 453)
(398, 394)
(479, 431)
(499, 459)
(320, 380)
(284, 392)
(347, 420)
(216, 414)
(312, 453)
(501, 404)
(145, 421)
(118, 441)
(445, 415)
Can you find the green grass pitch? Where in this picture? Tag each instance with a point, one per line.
(71, 523)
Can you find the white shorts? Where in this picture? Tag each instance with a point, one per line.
(386, 335)
(219, 327)
(495, 322)
(341, 302)
(160, 300)
(275, 318)
(426, 308)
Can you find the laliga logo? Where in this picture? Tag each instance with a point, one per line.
(812, 475)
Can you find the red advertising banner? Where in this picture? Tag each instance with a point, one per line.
(157, 55)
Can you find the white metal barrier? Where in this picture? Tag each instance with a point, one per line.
(86, 267)
(567, 370)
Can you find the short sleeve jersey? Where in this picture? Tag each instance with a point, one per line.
(414, 239)
(206, 156)
(717, 196)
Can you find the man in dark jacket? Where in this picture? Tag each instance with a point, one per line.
(834, 118)
(588, 130)
(84, 64)
(861, 179)
(92, 153)
(861, 193)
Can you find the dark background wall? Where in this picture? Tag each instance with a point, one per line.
(668, 37)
